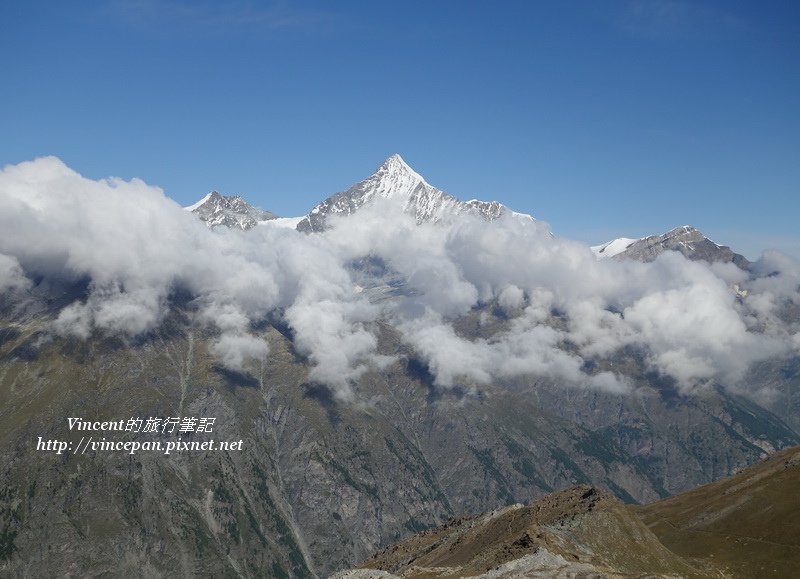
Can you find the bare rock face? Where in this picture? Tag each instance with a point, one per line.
(686, 240)
(228, 211)
(394, 179)
(744, 525)
(318, 486)
(580, 531)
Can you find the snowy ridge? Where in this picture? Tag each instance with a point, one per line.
(613, 247)
(394, 179)
(194, 206)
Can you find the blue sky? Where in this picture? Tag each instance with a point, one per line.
(604, 118)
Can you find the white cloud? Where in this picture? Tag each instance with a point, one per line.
(697, 322)
(511, 298)
(11, 275)
(235, 351)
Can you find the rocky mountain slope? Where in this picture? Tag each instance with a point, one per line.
(395, 180)
(581, 531)
(745, 525)
(318, 484)
(368, 382)
(686, 240)
(228, 211)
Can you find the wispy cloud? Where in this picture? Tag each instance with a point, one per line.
(216, 17)
(677, 20)
(564, 310)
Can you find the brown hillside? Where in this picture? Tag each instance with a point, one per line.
(748, 524)
(581, 531)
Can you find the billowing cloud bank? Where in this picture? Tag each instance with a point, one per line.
(696, 322)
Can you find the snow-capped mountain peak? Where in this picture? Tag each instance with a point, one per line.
(394, 164)
(395, 179)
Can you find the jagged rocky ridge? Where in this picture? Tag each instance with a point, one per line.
(686, 240)
(228, 211)
(742, 526)
(577, 532)
(394, 179)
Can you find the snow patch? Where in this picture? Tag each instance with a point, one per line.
(612, 248)
(284, 222)
(199, 203)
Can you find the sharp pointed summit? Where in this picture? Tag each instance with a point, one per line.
(395, 166)
(395, 179)
(395, 162)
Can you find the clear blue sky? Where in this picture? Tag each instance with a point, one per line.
(605, 118)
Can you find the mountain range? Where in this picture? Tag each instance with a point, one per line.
(391, 360)
(395, 180)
